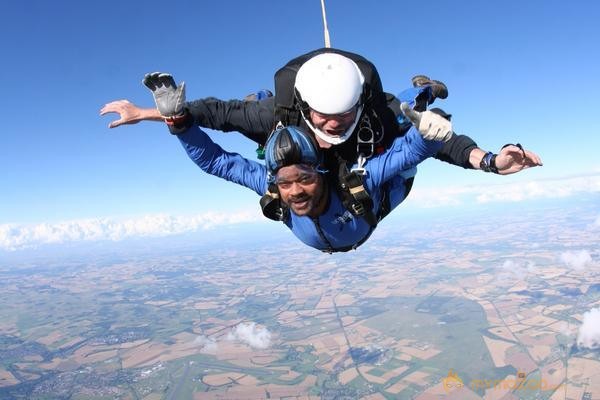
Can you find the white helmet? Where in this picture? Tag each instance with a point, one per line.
(330, 84)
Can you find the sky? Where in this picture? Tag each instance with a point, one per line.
(517, 71)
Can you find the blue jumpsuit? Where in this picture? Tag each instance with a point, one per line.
(336, 228)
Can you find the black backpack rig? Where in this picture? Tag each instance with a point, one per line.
(370, 134)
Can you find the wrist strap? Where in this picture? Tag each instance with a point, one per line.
(488, 163)
(179, 123)
(176, 119)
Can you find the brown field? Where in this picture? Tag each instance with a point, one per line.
(539, 353)
(326, 302)
(378, 292)
(33, 358)
(336, 358)
(417, 377)
(553, 375)
(498, 349)
(572, 393)
(490, 313)
(500, 391)
(344, 299)
(6, 378)
(418, 353)
(287, 317)
(538, 320)
(289, 375)
(396, 388)
(207, 305)
(71, 342)
(503, 333)
(233, 393)
(438, 392)
(221, 379)
(264, 359)
(585, 371)
(521, 361)
(375, 396)
(52, 337)
(97, 357)
(53, 364)
(347, 376)
(403, 357)
(518, 328)
(248, 380)
(279, 391)
(145, 354)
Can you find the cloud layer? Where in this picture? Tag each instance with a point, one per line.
(510, 192)
(589, 333)
(255, 336)
(20, 236)
(15, 237)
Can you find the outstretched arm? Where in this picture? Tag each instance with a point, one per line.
(253, 119)
(129, 113)
(213, 160)
(511, 159)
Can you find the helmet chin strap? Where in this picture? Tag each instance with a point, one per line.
(333, 140)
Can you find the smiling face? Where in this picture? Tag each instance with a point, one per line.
(302, 189)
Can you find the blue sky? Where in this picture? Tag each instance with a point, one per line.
(523, 71)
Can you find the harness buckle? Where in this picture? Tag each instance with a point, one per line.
(358, 209)
(360, 166)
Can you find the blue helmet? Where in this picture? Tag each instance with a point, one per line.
(288, 146)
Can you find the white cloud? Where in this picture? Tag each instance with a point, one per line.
(21, 236)
(15, 236)
(256, 336)
(439, 196)
(576, 259)
(208, 345)
(512, 271)
(589, 332)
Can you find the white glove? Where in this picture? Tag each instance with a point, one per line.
(169, 97)
(431, 125)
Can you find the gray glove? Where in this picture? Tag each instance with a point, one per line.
(169, 97)
(431, 125)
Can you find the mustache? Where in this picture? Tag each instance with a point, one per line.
(299, 198)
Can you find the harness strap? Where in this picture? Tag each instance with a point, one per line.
(271, 204)
(353, 194)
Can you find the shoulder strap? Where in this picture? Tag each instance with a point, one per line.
(353, 194)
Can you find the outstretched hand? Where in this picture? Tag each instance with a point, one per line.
(129, 113)
(514, 158)
(169, 97)
(431, 125)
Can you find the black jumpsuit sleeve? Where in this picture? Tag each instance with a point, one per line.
(251, 118)
(457, 150)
